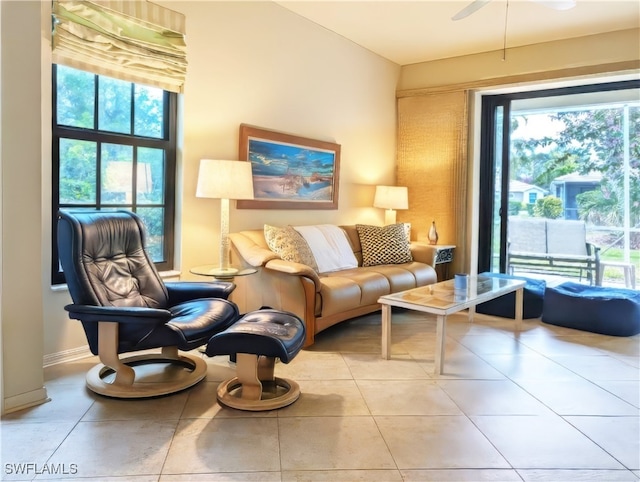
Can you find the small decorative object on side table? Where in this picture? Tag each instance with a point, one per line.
(433, 234)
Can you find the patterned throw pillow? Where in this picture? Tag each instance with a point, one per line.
(384, 245)
(289, 244)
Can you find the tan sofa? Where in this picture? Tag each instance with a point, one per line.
(322, 300)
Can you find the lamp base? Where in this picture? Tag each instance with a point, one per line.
(389, 217)
(224, 272)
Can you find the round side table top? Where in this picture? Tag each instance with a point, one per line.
(217, 272)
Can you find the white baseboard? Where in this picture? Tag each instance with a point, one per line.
(66, 356)
(26, 400)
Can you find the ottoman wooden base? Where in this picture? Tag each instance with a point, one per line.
(256, 388)
(256, 340)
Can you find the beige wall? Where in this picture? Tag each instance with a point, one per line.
(546, 61)
(249, 62)
(259, 64)
(21, 161)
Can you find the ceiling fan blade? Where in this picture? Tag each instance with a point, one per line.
(557, 4)
(469, 9)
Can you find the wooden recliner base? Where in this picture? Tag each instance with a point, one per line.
(255, 387)
(116, 377)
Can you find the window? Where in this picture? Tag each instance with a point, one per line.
(579, 144)
(114, 147)
(532, 197)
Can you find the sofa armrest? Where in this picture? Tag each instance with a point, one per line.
(251, 252)
(294, 269)
(424, 253)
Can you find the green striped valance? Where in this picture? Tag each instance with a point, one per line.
(136, 41)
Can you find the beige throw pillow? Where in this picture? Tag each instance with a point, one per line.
(287, 243)
(384, 245)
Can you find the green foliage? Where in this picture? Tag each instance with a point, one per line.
(598, 208)
(75, 97)
(592, 140)
(538, 167)
(597, 136)
(77, 171)
(539, 161)
(124, 108)
(76, 101)
(149, 111)
(114, 105)
(514, 207)
(549, 207)
(605, 208)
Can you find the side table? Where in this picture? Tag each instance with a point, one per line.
(444, 257)
(628, 269)
(213, 271)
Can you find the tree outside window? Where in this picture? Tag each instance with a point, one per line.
(114, 145)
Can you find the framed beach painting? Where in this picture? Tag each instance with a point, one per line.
(289, 172)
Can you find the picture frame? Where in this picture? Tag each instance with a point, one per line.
(289, 171)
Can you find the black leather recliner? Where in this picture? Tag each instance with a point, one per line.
(124, 306)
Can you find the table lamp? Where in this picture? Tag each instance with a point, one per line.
(391, 198)
(224, 180)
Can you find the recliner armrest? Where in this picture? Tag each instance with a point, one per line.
(181, 291)
(118, 314)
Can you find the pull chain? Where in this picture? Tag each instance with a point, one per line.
(504, 41)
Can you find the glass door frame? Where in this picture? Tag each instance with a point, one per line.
(490, 149)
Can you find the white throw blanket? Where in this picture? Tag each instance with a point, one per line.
(330, 247)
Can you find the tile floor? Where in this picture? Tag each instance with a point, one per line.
(545, 404)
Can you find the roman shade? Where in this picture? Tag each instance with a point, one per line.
(136, 41)
(432, 163)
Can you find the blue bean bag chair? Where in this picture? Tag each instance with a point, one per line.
(608, 311)
(505, 306)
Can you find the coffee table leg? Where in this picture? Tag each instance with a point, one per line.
(386, 332)
(441, 328)
(519, 308)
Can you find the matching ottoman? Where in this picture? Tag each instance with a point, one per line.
(256, 340)
(505, 306)
(608, 311)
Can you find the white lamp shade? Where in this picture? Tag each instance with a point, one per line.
(220, 179)
(391, 197)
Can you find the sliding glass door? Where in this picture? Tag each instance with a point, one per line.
(562, 155)
(494, 184)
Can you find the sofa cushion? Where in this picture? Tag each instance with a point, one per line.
(384, 245)
(351, 288)
(405, 276)
(289, 244)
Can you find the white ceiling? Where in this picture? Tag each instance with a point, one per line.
(408, 32)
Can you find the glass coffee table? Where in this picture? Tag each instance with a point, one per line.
(441, 299)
